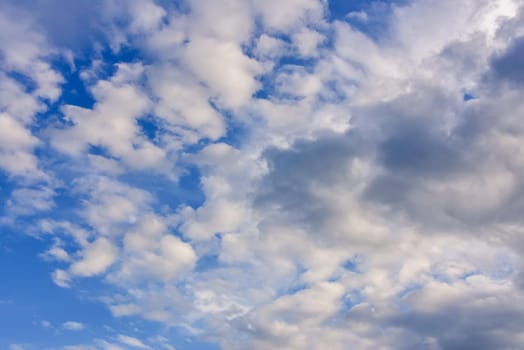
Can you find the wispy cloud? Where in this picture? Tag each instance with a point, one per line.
(73, 326)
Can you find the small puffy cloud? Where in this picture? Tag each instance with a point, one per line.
(306, 41)
(111, 203)
(95, 259)
(185, 106)
(24, 49)
(269, 47)
(105, 345)
(131, 341)
(224, 68)
(218, 217)
(146, 15)
(73, 326)
(124, 309)
(111, 124)
(57, 253)
(61, 278)
(164, 259)
(16, 147)
(284, 16)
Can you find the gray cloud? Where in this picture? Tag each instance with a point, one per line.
(69, 24)
(509, 66)
(399, 228)
(294, 173)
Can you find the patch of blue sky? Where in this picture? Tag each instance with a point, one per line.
(296, 288)
(350, 265)
(32, 315)
(25, 81)
(368, 16)
(350, 300)
(339, 9)
(7, 184)
(149, 127)
(74, 90)
(207, 262)
(236, 131)
(20, 319)
(468, 97)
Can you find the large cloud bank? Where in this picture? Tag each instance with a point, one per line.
(359, 177)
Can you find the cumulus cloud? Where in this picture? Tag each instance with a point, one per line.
(73, 326)
(131, 341)
(96, 258)
(358, 179)
(119, 105)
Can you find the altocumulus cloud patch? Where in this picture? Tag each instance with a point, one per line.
(297, 174)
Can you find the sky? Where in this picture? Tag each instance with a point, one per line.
(261, 174)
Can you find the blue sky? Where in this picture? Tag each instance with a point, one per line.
(232, 174)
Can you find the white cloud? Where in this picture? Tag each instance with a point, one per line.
(164, 261)
(24, 50)
(105, 345)
(224, 68)
(269, 47)
(112, 122)
(146, 15)
(131, 341)
(79, 347)
(283, 16)
(27, 201)
(61, 278)
(73, 326)
(56, 252)
(16, 147)
(230, 20)
(16, 102)
(307, 41)
(111, 203)
(364, 203)
(185, 105)
(124, 309)
(96, 258)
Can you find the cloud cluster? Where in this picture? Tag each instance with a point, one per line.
(362, 185)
